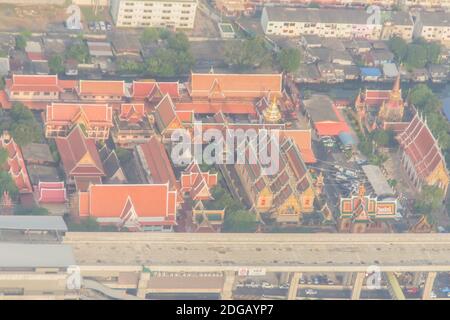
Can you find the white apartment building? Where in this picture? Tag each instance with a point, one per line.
(334, 23)
(426, 3)
(154, 13)
(434, 26)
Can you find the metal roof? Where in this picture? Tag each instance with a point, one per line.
(446, 108)
(42, 223)
(374, 72)
(15, 255)
(377, 180)
(346, 138)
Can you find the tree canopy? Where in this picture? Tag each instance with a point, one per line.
(34, 211)
(56, 64)
(429, 200)
(7, 184)
(173, 59)
(416, 54)
(78, 51)
(247, 54)
(24, 128)
(240, 221)
(289, 59)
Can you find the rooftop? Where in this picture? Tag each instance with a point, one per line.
(47, 223)
(16, 255)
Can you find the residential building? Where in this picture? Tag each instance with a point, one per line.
(433, 26)
(421, 156)
(142, 207)
(398, 23)
(427, 3)
(131, 125)
(154, 13)
(328, 23)
(96, 119)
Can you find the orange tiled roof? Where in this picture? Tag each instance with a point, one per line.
(133, 112)
(213, 108)
(197, 183)
(33, 83)
(95, 87)
(146, 200)
(302, 139)
(79, 154)
(146, 89)
(65, 113)
(210, 85)
(157, 162)
(16, 163)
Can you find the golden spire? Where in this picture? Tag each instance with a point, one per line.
(272, 113)
(396, 94)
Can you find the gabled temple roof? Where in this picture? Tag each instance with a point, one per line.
(48, 83)
(97, 87)
(79, 154)
(211, 85)
(151, 203)
(67, 113)
(148, 89)
(421, 147)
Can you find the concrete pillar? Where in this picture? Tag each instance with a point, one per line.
(284, 277)
(228, 284)
(429, 282)
(293, 287)
(348, 279)
(357, 285)
(417, 277)
(142, 286)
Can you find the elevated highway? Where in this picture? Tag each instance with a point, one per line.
(133, 260)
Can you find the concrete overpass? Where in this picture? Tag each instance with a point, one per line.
(131, 260)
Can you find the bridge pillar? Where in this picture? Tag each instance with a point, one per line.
(228, 284)
(357, 285)
(348, 279)
(429, 282)
(142, 286)
(293, 287)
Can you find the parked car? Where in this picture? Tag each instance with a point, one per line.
(412, 290)
(267, 285)
(108, 26)
(102, 25)
(284, 286)
(310, 292)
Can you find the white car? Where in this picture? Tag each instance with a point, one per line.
(310, 292)
(284, 286)
(102, 26)
(266, 285)
(433, 295)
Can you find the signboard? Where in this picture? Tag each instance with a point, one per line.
(251, 272)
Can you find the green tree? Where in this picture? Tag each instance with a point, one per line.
(150, 35)
(56, 64)
(124, 155)
(129, 66)
(289, 59)
(429, 200)
(433, 52)
(34, 211)
(417, 56)
(78, 51)
(7, 184)
(240, 221)
(3, 156)
(399, 48)
(246, 54)
(21, 42)
(24, 128)
(384, 138)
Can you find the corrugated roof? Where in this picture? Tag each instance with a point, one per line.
(49, 223)
(377, 180)
(15, 255)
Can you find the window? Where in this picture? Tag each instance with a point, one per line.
(185, 12)
(167, 5)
